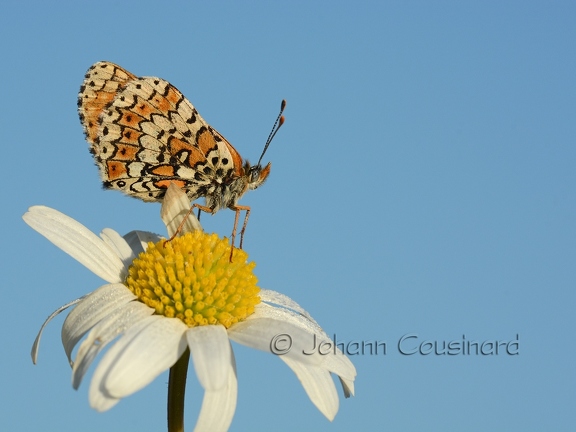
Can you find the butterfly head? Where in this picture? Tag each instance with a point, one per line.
(256, 175)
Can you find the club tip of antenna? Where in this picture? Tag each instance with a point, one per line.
(283, 105)
(281, 121)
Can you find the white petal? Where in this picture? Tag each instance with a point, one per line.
(138, 240)
(210, 349)
(103, 333)
(117, 243)
(333, 359)
(306, 322)
(218, 406)
(61, 309)
(94, 307)
(280, 299)
(147, 349)
(278, 337)
(77, 241)
(318, 385)
(336, 362)
(101, 401)
(310, 344)
(175, 210)
(347, 387)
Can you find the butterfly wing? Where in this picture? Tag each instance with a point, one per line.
(149, 135)
(101, 84)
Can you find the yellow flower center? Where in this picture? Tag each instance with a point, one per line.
(191, 278)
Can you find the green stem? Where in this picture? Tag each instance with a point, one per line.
(176, 391)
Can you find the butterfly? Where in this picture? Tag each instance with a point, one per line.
(144, 134)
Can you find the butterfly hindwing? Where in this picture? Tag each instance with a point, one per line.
(149, 134)
(101, 84)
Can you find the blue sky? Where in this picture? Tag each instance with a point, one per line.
(424, 184)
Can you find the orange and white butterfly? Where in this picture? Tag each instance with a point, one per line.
(144, 134)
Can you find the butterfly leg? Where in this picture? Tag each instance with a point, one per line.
(244, 225)
(200, 208)
(203, 208)
(238, 209)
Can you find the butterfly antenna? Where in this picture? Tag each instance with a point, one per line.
(277, 125)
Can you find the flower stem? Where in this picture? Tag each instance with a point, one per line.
(176, 391)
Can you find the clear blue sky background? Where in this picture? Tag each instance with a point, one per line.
(424, 183)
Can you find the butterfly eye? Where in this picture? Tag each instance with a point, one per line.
(254, 175)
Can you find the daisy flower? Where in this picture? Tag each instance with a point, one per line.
(165, 301)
